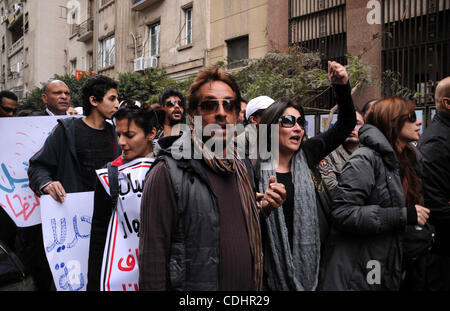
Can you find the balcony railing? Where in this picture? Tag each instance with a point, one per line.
(85, 30)
(15, 47)
(139, 5)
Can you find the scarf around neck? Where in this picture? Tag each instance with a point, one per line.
(248, 202)
(297, 268)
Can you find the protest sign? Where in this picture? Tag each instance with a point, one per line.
(120, 270)
(66, 232)
(21, 139)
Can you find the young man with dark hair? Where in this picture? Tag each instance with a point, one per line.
(204, 232)
(173, 103)
(70, 155)
(8, 104)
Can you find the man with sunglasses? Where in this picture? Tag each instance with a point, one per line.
(8, 104)
(331, 167)
(173, 103)
(435, 148)
(203, 233)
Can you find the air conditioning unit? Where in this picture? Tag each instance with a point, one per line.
(151, 62)
(139, 64)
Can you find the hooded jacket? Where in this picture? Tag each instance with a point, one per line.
(364, 251)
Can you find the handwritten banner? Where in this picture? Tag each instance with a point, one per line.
(21, 139)
(120, 270)
(66, 231)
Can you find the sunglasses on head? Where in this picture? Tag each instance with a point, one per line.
(8, 110)
(129, 104)
(173, 102)
(211, 105)
(412, 117)
(289, 121)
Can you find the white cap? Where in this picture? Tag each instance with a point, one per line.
(260, 102)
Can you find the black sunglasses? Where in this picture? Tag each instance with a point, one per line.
(289, 121)
(171, 103)
(412, 117)
(8, 110)
(213, 104)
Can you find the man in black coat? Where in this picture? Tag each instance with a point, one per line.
(435, 148)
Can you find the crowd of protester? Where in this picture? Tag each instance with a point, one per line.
(364, 205)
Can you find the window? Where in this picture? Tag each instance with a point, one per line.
(154, 39)
(73, 66)
(188, 25)
(237, 52)
(107, 52)
(90, 61)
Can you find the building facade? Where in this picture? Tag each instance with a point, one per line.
(408, 39)
(181, 36)
(32, 35)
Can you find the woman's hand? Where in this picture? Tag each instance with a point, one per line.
(337, 73)
(422, 215)
(272, 198)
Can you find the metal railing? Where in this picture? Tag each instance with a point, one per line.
(86, 27)
(416, 44)
(319, 26)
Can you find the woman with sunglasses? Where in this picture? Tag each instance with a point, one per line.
(377, 203)
(136, 128)
(293, 234)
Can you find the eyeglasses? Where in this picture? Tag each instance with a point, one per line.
(412, 117)
(289, 121)
(211, 105)
(8, 110)
(173, 102)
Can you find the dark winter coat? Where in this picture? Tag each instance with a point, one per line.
(57, 160)
(435, 148)
(369, 219)
(194, 256)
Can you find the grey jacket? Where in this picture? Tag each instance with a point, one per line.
(369, 219)
(331, 167)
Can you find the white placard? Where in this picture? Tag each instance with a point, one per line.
(120, 269)
(310, 125)
(66, 232)
(21, 139)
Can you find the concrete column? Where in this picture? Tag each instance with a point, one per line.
(359, 36)
(278, 25)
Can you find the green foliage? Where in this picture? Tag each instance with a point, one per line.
(295, 75)
(145, 87)
(392, 86)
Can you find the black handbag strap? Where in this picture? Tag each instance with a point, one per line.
(113, 177)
